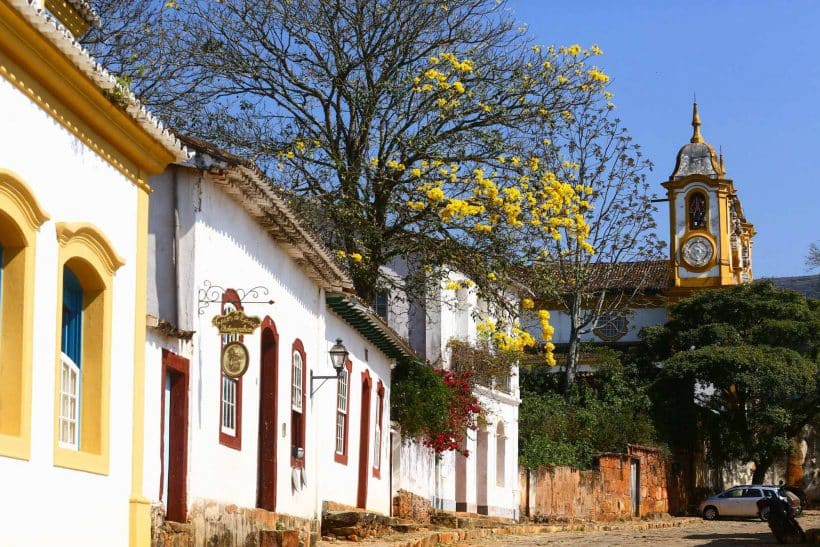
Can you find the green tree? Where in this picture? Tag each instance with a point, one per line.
(603, 413)
(749, 358)
(386, 119)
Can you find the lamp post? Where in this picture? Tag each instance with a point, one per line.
(338, 358)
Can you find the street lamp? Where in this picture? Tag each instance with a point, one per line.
(338, 358)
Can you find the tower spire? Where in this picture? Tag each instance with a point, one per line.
(696, 136)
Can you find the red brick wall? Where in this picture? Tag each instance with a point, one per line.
(558, 493)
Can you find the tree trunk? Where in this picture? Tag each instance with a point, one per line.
(574, 352)
(760, 471)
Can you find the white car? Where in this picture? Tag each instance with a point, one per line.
(739, 501)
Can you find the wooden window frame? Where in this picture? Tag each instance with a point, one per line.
(297, 437)
(234, 441)
(378, 425)
(342, 457)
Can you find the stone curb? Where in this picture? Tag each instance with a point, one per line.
(449, 537)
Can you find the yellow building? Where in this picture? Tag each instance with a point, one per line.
(76, 151)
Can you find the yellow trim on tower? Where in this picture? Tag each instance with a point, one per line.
(139, 508)
(89, 254)
(20, 222)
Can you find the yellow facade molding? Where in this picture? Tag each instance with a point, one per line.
(20, 221)
(139, 508)
(89, 254)
(21, 198)
(37, 67)
(93, 240)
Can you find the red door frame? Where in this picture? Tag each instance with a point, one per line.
(177, 502)
(268, 384)
(364, 441)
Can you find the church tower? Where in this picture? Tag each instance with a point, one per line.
(710, 239)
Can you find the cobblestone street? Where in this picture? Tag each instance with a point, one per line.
(721, 532)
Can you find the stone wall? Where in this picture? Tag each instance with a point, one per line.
(560, 493)
(409, 506)
(211, 523)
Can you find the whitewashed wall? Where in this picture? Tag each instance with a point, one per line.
(637, 319)
(450, 481)
(339, 482)
(228, 248)
(72, 184)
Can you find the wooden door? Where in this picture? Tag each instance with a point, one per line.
(174, 436)
(635, 486)
(266, 460)
(364, 441)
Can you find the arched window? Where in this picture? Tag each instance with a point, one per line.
(230, 393)
(377, 431)
(87, 264)
(297, 404)
(20, 220)
(343, 413)
(697, 211)
(500, 455)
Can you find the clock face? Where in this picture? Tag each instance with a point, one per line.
(697, 251)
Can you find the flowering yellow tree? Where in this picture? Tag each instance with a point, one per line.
(613, 221)
(401, 127)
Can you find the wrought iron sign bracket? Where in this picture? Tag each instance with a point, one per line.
(312, 377)
(212, 294)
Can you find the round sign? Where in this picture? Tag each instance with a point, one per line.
(235, 359)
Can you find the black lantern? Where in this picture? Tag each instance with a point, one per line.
(338, 358)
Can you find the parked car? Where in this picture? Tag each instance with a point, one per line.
(740, 501)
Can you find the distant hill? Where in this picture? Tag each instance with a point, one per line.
(805, 284)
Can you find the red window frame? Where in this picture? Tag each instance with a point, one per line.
(342, 458)
(234, 441)
(377, 471)
(298, 420)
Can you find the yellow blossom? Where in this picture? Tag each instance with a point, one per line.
(341, 254)
(416, 172)
(596, 50)
(355, 257)
(435, 194)
(527, 304)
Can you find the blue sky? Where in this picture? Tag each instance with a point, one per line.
(755, 66)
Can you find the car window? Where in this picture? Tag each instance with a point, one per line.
(752, 493)
(769, 493)
(734, 493)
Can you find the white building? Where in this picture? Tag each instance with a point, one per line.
(75, 156)
(486, 481)
(232, 457)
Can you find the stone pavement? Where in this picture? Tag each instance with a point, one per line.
(712, 533)
(671, 531)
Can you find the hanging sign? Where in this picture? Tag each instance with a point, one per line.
(236, 322)
(235, 359)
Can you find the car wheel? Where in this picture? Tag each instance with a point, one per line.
(710, 512)
(764, 513)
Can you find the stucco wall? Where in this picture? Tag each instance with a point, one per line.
(72, 184)
(636, 320)
(221, 244)
(563, 493)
